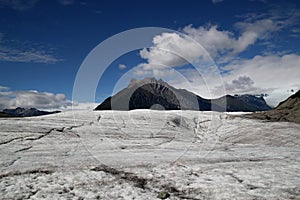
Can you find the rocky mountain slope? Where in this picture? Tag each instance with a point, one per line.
(150, 93)
(288, 110)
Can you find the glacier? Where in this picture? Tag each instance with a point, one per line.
(141, 154)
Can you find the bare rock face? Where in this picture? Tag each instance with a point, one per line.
(153, 94)
(288, 110)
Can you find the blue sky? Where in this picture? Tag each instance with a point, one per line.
(255, 45)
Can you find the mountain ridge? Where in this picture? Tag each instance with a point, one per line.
(149, 92)
(24, 112)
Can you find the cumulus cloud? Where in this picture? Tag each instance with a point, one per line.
(274, 70)
(224, 43)
(241, 83)
(264, 74)
(175, 50)
(171, 50)
(32, 98)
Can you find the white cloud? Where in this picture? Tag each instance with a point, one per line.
(3, 88)
(213, 40)
(260, 27)
(268, 70)
(31, 54)
(122, 66)
(171, 50)
(32, 98)
(241, 83)
(19, 5)
(224, 43)
(269, 74)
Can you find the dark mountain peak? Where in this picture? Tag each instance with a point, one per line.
(143, 94)
(145, 81)
(18, 109)
(149, 92)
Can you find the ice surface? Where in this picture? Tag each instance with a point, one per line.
(138, 154)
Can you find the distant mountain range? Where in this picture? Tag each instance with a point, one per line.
(24, 112)
(150, 93)
(288, 110)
